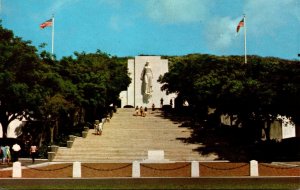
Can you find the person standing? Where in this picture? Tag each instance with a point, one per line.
(96, 126)
(7, 153)
(141, 110)
(99, 128)
(145, 111)
(33, 152)
(2, 154)
(16, 150)
(136, 110)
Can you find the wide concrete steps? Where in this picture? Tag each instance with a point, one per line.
(127, 138)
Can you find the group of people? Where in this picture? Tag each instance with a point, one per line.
(9, 154)
(141, 111)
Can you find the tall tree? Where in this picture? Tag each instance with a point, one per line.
(21, 76)
(95, 81)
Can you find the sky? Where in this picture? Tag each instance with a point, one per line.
(158, 27)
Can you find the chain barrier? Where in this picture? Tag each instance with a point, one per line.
(49, 170)
(279, 167)
(106, 170)
(166, 169)
(233, 168)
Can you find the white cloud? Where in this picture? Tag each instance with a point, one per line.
(115, 23)
(220, 32)
(177, 11)
(118, 23)
(112, 3)
(265, 16)
(59, 4)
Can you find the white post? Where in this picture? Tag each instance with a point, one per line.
(17, 170)
(52, 50)
(136, 169)
(245, 39)
(76, 170)
(195, 169)
(253, 168)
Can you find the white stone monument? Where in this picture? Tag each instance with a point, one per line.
(144, 89)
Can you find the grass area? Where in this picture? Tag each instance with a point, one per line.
(154, 183)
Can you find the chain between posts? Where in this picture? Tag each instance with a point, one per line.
(106, 170)
(166, 169)
(282, 168)
(233, 168)
(48, 170)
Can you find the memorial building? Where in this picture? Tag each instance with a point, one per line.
(144, 89)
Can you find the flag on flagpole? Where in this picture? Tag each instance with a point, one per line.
(241, 24)
(46, 23)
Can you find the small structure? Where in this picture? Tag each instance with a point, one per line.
(282, 128)
(156, 156)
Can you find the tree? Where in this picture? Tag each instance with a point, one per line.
(21, 76)
(97, 78)
(259, 90)
(80, 89)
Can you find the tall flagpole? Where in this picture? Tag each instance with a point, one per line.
(245, 39)
(52, 50)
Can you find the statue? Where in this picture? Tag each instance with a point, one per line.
(147, 77)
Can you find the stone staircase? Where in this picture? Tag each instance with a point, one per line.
(127, 138)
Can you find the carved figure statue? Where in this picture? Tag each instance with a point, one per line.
(147, 77)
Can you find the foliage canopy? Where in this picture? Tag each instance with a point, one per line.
(259, 90)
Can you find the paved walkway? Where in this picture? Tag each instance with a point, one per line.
(24, 162)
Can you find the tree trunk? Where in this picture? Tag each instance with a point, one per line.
(267, 130)
(5, 119)
(56, 131)
(4, 122)
(41, 139)
(51, 134)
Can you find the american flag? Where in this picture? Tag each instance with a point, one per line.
(241, 24)
(46, 23)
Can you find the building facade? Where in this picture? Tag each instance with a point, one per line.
(144, 89)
